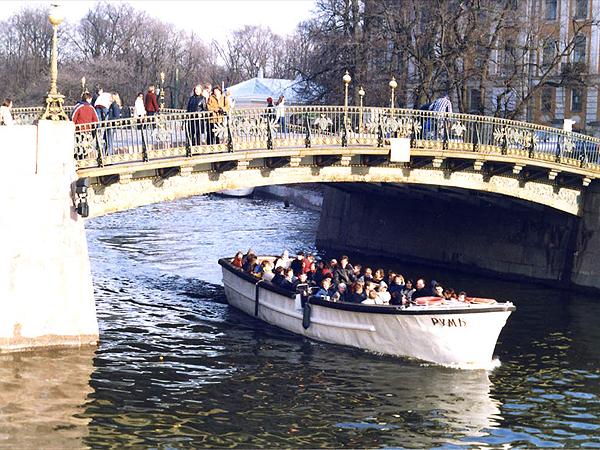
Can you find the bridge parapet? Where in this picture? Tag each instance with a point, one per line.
(443, 135)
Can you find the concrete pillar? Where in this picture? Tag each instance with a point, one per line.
(46, 294)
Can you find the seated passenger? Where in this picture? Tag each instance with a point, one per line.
(324, 291)
(390, 277)
(237, 260)
(358, 294)
(462, 296)
(372, 299)
(267, 270)
(343, 272)
(368, 275)
(248, 259)
(250, 264)
(284, 260)
(311, 273)
(396, 288)
(288, 280)
(258, 270)
(449, 294)
(407, 292)
(382, 294)
(302, 282)
(298, 264)
(379, 276)
(340, 293)
(245, 258)
(357, 271)
(278, 277)
(438, 291)
(308, 262)
(421, 290)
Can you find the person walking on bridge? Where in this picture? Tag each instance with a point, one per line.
(5, 114)
(215, 104)
(441, 105)
(150, 101)
(196, 104)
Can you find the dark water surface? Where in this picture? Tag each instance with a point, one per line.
(177, 368)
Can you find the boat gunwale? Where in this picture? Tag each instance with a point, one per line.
(360, 308)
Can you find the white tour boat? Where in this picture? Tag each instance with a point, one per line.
(456, 334)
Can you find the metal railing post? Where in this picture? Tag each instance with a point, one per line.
(229, 135)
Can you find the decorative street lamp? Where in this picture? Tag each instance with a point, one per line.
(361, 94)
(83, 90)
(346, 79)
(54, 100)
(393, 86)
(162, 91)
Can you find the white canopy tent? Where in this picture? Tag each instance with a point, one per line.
(255, 91)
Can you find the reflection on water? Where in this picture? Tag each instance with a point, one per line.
(42, 398)
(178, 368)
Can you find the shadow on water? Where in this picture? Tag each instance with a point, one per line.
(43, 397)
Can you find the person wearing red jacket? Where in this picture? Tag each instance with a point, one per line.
(84, 112)
(150, 102)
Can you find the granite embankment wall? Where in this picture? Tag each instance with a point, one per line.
(308, 196)
(516, 241)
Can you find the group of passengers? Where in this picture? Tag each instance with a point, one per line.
(340, 281)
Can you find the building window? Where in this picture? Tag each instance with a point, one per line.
(581, 9)
(547, 100)
(508, 63)
(576, 100)
(550, 10)
(549, 53)
(579, 49)
(474, 100)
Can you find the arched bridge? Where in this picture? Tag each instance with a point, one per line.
(132, 162)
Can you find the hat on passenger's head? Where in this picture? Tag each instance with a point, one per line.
(383, 284)
(300, 253)
(270, 99)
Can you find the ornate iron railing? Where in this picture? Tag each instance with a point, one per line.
(179, 134)
(29, 115)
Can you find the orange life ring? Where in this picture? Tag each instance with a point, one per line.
(479, 300)
(424, 301)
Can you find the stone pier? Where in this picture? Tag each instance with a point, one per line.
(465, 230)
(46, 294)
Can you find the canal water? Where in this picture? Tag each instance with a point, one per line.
(177, 368)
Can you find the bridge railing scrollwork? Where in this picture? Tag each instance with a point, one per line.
(177, 134)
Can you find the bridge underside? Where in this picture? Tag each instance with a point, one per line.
(450, 227)
(125, 187)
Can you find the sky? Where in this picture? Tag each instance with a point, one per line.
(224, 16)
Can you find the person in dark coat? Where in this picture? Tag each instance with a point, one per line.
(114, 113)
(196, 104)
(343, 272)
(421, 290)
(297, 264)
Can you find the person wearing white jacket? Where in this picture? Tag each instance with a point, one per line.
(138, 107)
(5, 114)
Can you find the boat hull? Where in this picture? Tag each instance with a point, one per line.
(463, 338)
(244, 192)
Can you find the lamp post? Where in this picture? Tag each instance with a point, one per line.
(83, 86)
(162, 90)
(54, 100)
(393, 86)
(346, 79)
(361, 94)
